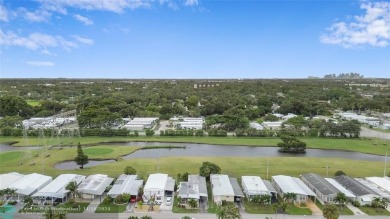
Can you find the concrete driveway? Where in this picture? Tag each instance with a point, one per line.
(164, 207)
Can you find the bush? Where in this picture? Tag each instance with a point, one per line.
(108, 200)
(149, 132)
(146, 217)
(132, 217)
(356, 203)
(340, 173)
(75, 205)
(129, 170)
(12, 202)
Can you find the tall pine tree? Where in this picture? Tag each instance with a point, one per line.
(81, 158)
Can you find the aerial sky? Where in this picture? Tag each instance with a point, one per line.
(193, 38)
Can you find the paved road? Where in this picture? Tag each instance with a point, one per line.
(197, 216)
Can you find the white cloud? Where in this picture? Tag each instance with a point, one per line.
(83, 19)
(191, 2)
(83, 40)
(117, 6)
(40, 63)
(38, 15)
(372, 28)
(3, 14)
(35, 41)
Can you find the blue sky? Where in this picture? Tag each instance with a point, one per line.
(193, 38)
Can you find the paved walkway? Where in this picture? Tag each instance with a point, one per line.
(314, 208)
(92, 206)
(355, 210)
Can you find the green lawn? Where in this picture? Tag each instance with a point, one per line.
(253, 208)
(110, 208)
(374, 211)
(33, 102)
(371, 146)
(92, 151)
(294, 210)
(9, 156)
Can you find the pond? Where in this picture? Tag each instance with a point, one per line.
(208, 150)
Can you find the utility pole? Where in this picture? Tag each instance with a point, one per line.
(384, 171)
(267, 168)
(327, 170)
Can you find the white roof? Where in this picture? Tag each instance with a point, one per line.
(340, 188)
(95, 184)
(156, 181)
(374, 187)
(221, 185)
(256, 126)
(272, 123)
(57, 187)
(382, 182)
(254, 185)
(28, 184)
(151, 119)
(9, 178)
(290, 184)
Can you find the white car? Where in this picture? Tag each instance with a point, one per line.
(169, 201)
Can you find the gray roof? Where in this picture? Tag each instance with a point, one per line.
(354, 186)
(320, 184)
(236, 187)
(170, 185)
(201, 182)
(187, 191)
(269, 186)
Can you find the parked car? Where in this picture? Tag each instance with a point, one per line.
(169, 201)
(133, 199)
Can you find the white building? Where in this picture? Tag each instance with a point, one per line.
(222, 189)
(289, 116)
(287, 184)
(254, 186)
(56, 189)
(272, 125)
(374, 187)
(195, 188)
(8, 178)
(140, 123)
(29, 184)
(256, 126)
(339, 187)
(128, 184)
(157, 186)
(190, 123)
(324, 190)
(381, 182)
(364, 195)
(94, 186)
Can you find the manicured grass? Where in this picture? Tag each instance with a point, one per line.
(8, 156)
(98, 151)
(33, 102)
(234, 166)
(374, 211)
(294, 210)
(110, 208)
(254, 208)
(373, 146)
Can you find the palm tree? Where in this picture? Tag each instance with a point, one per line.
(28, 200)
(275, 207)
(289, 196)
(330, 211)
(283, 207)
(140, 203)
(193, 203)
(376, 203)
(72, 187)
(341, 199)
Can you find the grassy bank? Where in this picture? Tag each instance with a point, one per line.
(233, 166)
(370, 146)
